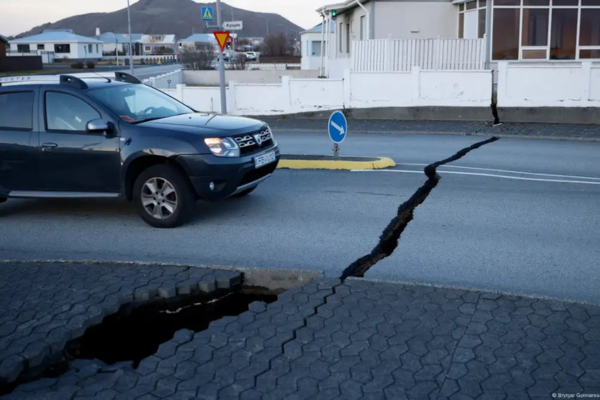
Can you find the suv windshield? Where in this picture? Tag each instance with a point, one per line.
(138, 103)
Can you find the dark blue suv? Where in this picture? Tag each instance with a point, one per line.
(73, 137)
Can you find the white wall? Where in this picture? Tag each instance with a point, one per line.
(570, 84)
(169, 80)
(430, 19)
(212, 77)
(356, 90)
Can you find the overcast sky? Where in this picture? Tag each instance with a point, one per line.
(21, 15)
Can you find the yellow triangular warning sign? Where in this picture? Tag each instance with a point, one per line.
(221, 37)
(207, 14)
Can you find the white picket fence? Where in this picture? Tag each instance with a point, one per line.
(397, 55)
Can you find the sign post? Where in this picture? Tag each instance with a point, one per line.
(221, 58)
(337, 128)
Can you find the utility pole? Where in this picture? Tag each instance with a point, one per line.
(130, 40)
(221, 63)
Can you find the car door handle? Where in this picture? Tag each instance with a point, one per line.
(48, 146)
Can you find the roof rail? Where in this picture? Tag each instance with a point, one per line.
(125, 77)
(28, 79)
(73, 81)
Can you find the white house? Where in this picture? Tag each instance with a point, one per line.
(310, 44)
(200, 41)
(63, 44)
(156, 44)
(513, 30)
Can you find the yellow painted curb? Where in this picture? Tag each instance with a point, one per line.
(340, 164)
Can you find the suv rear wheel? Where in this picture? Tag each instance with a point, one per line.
(163, 198)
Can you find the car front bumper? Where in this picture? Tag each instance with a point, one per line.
(230, 176)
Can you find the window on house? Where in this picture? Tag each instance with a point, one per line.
(505, 43)
(23, 48)
(316, 48)
(97, 48)
(563, 36)
(362, 28)
(481, 27)
(90, 48)
(62, 48)
(347, 38)
(535, 27)
(341, 37)
(40, 47)
(461, 25)
(471, 5)
(589, 31)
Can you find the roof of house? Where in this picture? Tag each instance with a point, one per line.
(340, 7)
(318, 29)
(3, 39)
(56, 36)
(148, 39)
(110, 37)
(200, 38)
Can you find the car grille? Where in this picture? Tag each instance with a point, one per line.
(254, 142)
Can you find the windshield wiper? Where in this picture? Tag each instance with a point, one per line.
(155, 118)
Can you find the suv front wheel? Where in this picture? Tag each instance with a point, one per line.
(163, 198)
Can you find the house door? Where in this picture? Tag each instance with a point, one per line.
(471, 24)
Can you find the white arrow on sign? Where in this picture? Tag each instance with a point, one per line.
(339, 128)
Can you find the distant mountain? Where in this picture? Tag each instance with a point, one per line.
(179, 17)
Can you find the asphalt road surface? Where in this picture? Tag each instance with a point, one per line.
(500, 219)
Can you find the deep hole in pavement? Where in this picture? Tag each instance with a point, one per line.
(137, 330)
(136, 334)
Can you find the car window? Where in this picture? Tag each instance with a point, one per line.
(65, 112)
(16, 110)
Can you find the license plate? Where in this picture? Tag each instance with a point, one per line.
(264, 159)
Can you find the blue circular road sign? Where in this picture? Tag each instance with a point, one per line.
(338, 127)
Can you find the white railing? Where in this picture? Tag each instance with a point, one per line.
(397, 55)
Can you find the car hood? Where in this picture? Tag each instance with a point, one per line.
(224, 125)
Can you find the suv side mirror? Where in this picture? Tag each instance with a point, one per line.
(100, 126)
(97, 126)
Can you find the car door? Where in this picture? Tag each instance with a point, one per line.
(72, 159)
(18, 139)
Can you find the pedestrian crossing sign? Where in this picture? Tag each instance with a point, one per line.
(207, 14)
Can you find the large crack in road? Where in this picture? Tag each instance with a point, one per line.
(388, 241)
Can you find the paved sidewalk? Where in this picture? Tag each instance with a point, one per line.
(529, 131)
(359, 340)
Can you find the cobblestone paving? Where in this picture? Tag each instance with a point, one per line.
(532, 131)
(362, 340)
(43, 306)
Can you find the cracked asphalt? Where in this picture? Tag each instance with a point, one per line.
(359, 340)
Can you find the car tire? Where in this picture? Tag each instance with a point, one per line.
(163, 197)
(244, 193)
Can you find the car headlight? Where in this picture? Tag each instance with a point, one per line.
(223, 147)
(272, 136)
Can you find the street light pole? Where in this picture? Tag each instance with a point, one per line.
(130, 41)
(221, 64)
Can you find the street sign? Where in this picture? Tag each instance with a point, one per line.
(222, 37)
(233, 25)
(207, 14)
(337, 127)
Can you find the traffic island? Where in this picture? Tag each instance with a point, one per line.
(301, 161)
